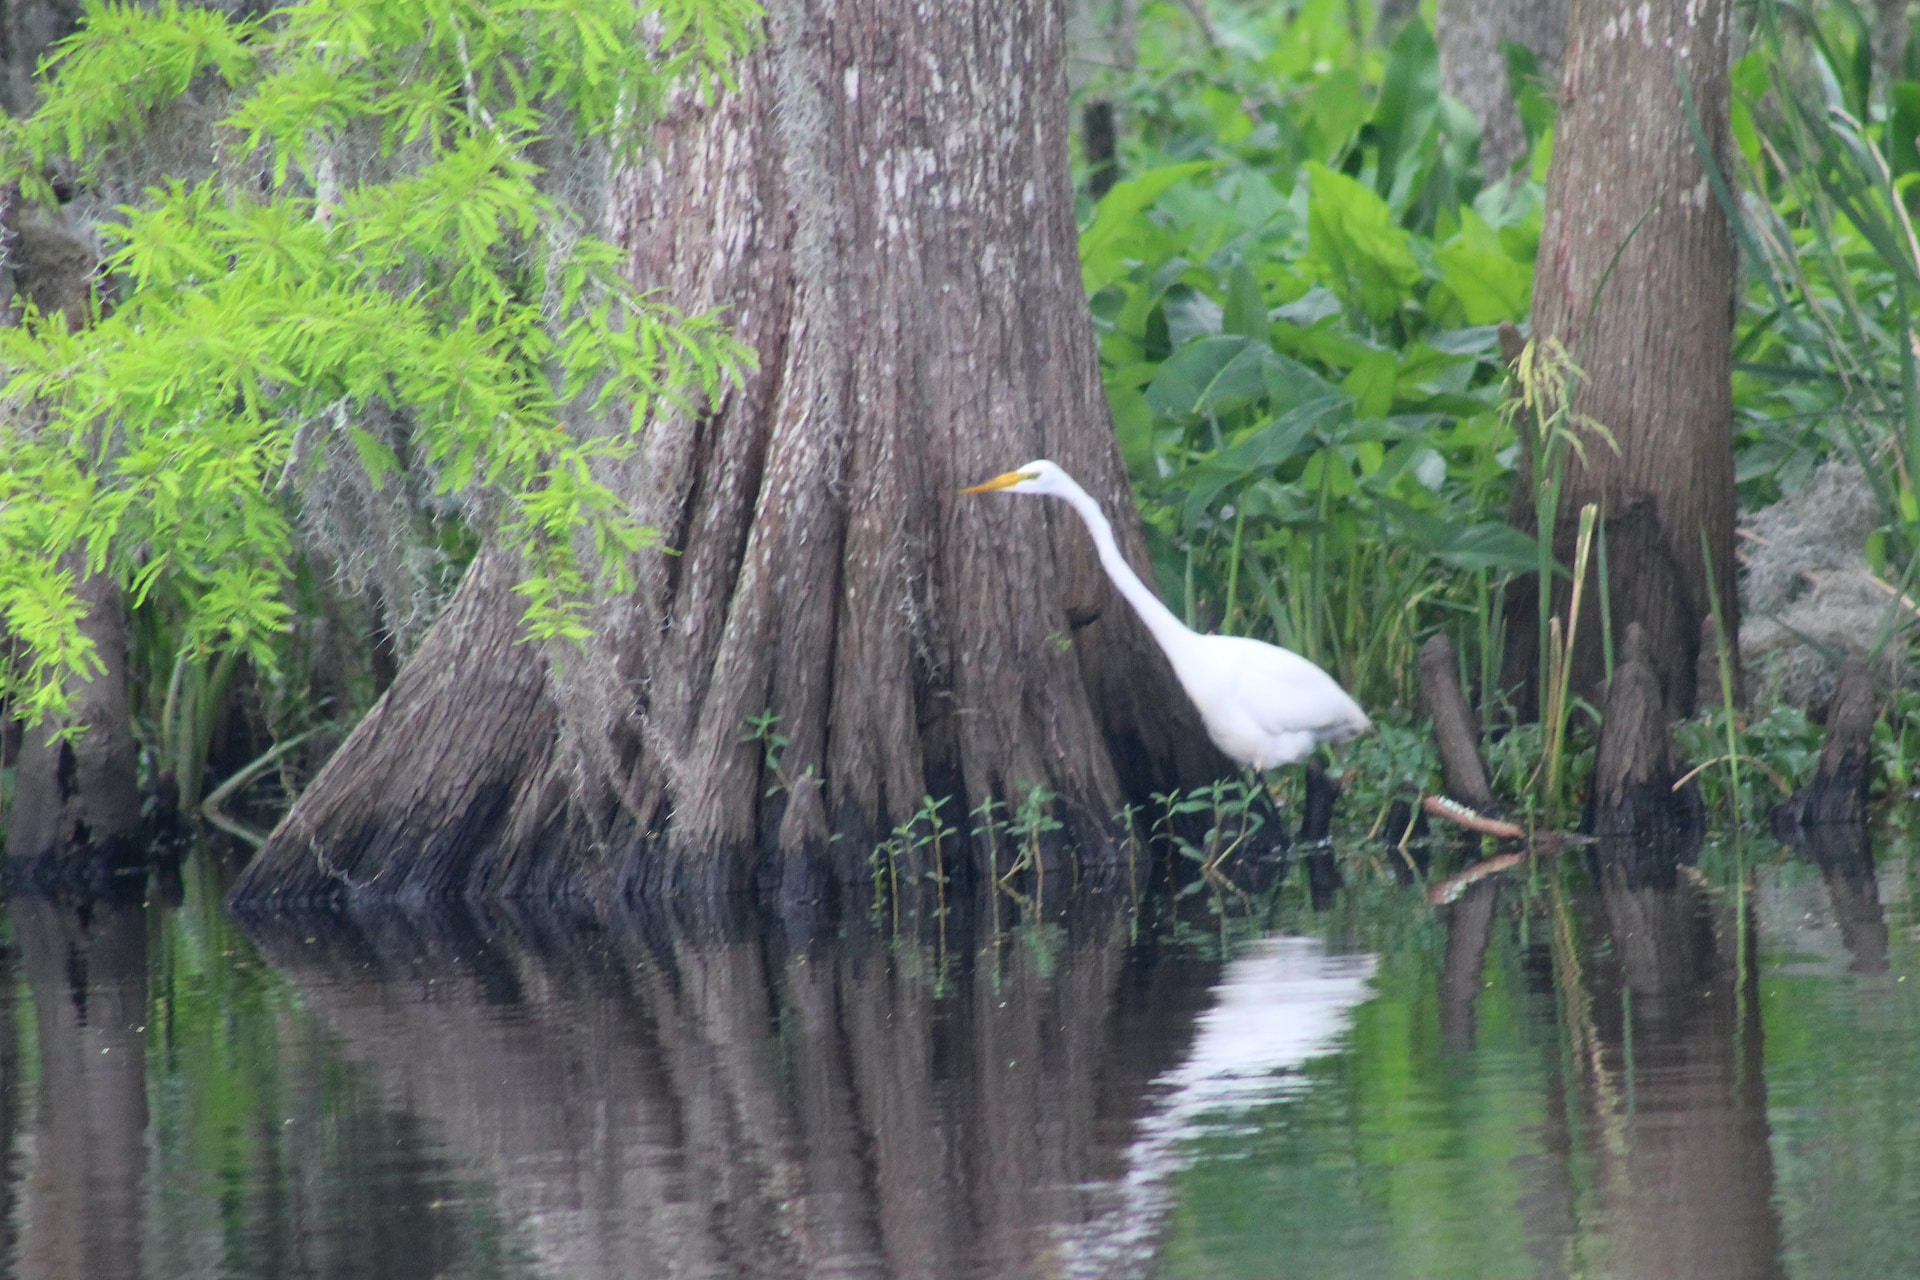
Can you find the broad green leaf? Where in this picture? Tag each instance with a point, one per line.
(1531, 96)
(1490, 285)
(1490, 545)
(1355, 248)
(1245, 312)
(1211, 375)
(1291, 384)
(1332, 111)
(1486, 544)
(1371, 384)
(1103, 243)
(1270, 445)
(1903, 128)
(1133, 426)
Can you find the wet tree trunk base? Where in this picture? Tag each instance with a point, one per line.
(1644, 824)
(1826, 820)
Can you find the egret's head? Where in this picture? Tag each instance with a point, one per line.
(1038, 476)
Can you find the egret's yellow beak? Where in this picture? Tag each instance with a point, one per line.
(1005, 480)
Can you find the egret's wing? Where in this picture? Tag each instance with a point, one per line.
(1284, 693)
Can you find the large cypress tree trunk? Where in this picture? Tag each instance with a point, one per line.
(1635, 276)
(883, 207)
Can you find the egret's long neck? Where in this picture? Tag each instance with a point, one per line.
(1166, 628)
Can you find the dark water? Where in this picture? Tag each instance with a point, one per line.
(1547, 1077)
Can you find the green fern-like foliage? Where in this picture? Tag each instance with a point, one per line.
(266, 303)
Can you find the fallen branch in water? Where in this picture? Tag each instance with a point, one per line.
(1473, 820)
(1542, 842)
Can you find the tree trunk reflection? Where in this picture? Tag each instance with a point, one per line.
(1469, 929)
(1683, 1155)
(1845, 858)
(83, 1199)
(718, 1102)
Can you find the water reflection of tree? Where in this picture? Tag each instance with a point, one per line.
(179, 1121)
(1654, 1159)
(81, 1207)
(717, 1100)
(1844, 855)
(1665, 1021)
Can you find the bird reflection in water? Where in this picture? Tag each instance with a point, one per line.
(1286, 1001)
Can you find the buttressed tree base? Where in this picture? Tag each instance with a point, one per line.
(893, 235)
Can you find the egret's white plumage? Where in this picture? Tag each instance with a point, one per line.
(1263, 706)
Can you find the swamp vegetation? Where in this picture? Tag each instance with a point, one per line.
(384, 332)
(509, 466)
(1298, 294)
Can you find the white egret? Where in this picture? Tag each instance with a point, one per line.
(1263, 706)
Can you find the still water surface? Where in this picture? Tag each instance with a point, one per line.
(1547, 1077)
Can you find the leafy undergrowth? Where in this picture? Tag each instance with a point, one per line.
(1296, 296)
(1297, 289)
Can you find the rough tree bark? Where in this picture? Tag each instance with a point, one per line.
(1635, 276)
(1456, 730)
(1642, 821)
(1838, 792)
(1474, 69)
(884, 209)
